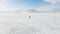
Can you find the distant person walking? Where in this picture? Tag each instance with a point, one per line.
(29, 17)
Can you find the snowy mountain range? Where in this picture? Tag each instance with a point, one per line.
(36, 11)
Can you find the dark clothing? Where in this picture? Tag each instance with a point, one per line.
(29, 17)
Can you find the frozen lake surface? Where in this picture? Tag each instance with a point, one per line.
(39, 23)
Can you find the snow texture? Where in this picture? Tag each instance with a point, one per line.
(38, 23)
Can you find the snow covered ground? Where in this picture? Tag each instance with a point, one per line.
(39, 23)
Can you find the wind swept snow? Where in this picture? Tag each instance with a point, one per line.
(39, 23)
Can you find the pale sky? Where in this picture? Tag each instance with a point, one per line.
(12, 5)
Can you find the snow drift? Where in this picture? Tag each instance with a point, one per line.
(39, 23)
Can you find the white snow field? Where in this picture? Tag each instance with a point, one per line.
(39, 23)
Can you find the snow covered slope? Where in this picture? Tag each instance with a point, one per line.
(39, 23)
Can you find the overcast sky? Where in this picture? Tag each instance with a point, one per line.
(11, 5)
